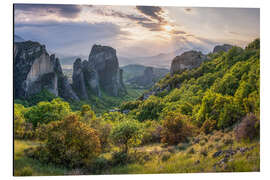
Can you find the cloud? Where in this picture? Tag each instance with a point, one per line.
(151, 26)
(188, 9)
(110, 12)
(69, 37)
(61, 10)
(153, 12)
(178, 32)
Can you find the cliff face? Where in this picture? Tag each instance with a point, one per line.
(35, 70)
(188, 60)
(101, 71)
(104, 61)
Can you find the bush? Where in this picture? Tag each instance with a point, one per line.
(45, 112)
(119, 158)
(221, 108)
(126, 134)
(150, 109)
(70, 143)
(249, 128)
(99, 165)
(130, 105)
(176, 128)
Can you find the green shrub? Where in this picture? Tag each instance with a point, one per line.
(130, 105)
(45, 112)
(119, 158)
(126, 134)
(150, 109)
(217, 107)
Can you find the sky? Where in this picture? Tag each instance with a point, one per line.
(134, 31)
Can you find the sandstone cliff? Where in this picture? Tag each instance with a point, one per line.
(35, 69)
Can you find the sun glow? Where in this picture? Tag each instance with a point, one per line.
(168, 27)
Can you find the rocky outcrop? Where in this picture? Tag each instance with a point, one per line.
(224, 47)
(188, 60)
(35, 70)
(104, 61)
(101, 71)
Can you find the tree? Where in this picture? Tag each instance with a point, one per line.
(70, 142)
(126, 134)
(45, 112)
(87, 114)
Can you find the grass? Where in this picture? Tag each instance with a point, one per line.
(193, 157)
(24, 166)
(200, 160)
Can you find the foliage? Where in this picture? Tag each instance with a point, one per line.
(150, 109)
(45, 112)
(126, 134)
(70, 143)
(254, 45)
(176, 128)
(220, 108)
(22, 129)
(130, 105)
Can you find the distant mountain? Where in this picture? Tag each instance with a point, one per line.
(18, 38)
(139, 75)
(162, 60)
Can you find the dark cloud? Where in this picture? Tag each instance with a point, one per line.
(153, 12)
(68, 11)
(121, 15)
(141, 20)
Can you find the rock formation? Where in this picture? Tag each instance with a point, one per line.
(35, 70)
(101, 71)
(224, 47)
(188, 60)
(104, 61)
